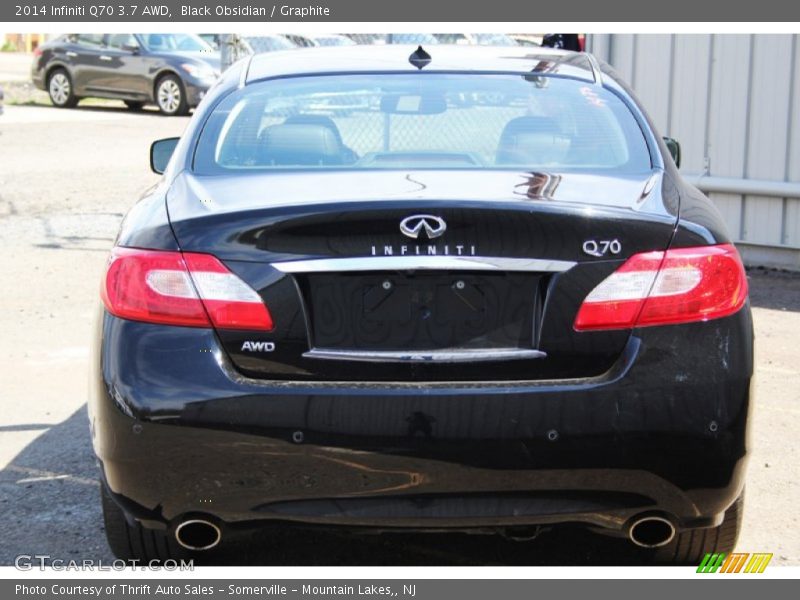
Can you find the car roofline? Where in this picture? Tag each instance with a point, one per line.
(393, 58)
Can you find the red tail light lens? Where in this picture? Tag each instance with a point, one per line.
(193, 290)
(661, 288)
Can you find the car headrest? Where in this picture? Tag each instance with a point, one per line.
(300, 144)
(321, 120)
(531, 140)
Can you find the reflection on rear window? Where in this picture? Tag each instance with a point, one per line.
(422, 120)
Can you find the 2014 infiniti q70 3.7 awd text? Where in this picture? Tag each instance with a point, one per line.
(422, 289)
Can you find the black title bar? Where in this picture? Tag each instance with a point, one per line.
(441, 11)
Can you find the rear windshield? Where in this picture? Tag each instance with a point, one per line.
(422, 121)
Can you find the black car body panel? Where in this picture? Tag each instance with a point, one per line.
(675, 443)
(602, 426)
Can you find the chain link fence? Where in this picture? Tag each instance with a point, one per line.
(466, 126)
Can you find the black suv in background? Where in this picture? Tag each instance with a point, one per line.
(171, 70)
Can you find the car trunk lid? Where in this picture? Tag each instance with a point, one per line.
(493, 296)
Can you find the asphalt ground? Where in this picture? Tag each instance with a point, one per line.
(66, 179)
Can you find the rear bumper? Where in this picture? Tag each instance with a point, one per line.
(178, 431)
(37, 78)
(38, 74)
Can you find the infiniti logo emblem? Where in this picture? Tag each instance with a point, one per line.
(413, 225)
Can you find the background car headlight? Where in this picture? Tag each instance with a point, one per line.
(200, 71)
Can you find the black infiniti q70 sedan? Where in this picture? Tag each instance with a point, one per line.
(481, 299)
(171, 70)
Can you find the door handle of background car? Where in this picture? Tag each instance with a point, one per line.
(105, 57)
(72, 54)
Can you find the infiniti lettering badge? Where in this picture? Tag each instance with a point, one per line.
(433, 226)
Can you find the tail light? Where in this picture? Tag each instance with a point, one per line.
(174, 288)
(662, 288)
(37, 52)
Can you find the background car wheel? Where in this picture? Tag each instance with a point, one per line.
(134, 105)
(170, 96)
(59, 87)
(689, 547)
(132, 541)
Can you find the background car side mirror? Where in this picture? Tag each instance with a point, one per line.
(132, 48)
(674, 148)
(160, 153)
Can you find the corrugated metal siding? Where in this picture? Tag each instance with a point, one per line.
(732, 102)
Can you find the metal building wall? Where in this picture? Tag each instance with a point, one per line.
(732, 101)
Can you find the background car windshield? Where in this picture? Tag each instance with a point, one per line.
(425, 120)
(333, 40)
(268, 43)
(493, 39)
(183, 42)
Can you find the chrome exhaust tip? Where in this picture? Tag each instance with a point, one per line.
(651, 531)
(197, 534)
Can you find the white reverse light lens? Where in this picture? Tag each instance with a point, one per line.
(631, 285)
(170, 283)
(671, 282)
(224, 286)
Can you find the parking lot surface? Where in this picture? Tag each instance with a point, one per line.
(66, 179)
